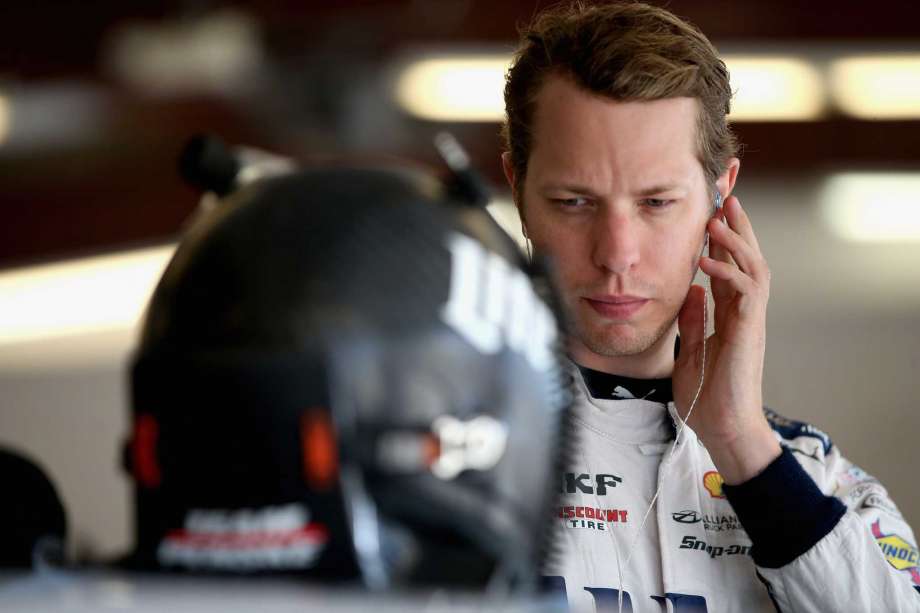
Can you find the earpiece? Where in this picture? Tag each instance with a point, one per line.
(717, 204)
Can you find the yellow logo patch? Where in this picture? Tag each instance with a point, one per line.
(713, 481)
(899, 552)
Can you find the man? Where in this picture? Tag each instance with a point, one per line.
(620, 157)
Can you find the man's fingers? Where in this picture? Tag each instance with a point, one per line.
(716, 250)
(746, 256)
(739, 221)
(730, 274)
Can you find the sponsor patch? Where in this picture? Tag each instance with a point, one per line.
(871, 495)
(711, 523)
(686, 517)
(714, 551)
(592, 518)
(790, 429)
(584, 483)
(860, 491)
(899, 553)
(623, 393)
(874, 501)
(713, 481)
(854, 474)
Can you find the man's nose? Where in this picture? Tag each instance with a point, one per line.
(615, 242)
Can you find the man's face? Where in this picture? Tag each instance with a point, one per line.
(615, 193)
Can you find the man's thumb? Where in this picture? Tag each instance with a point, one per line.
(690, 321)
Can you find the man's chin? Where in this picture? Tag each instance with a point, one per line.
(613, 340)
(619, 340)
(615, 348)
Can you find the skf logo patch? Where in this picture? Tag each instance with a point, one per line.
(899, 553)
(585, 483)
(713, 481)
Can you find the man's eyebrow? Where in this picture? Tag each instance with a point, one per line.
(660, 189)
(575, 188)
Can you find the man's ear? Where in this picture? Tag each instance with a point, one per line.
(508, 168)
(726, 181)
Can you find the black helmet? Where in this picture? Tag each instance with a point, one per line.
(345, 373)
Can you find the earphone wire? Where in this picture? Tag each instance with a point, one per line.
(680, 429)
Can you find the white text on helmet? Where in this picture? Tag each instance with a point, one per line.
(493, 305)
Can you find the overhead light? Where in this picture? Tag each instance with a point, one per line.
(877, 86)
(52, 115)
(471, 87)
(95, 294)
(455, 88)
(218, 52)
(871, 207)
(774, 88)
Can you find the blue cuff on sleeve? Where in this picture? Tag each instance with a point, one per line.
(783, 511)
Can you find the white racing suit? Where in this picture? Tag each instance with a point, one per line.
(812, 532)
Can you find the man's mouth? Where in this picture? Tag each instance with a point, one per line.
(616, 306)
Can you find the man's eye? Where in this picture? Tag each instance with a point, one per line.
(657, 203)
(570, 203)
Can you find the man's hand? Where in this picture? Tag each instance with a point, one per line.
(728, 416)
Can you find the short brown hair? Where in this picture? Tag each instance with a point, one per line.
(627, 52)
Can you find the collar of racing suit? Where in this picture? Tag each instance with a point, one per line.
(647, 417)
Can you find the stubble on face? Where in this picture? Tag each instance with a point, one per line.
(604, 341)
(614, 340)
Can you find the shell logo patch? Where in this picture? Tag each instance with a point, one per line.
(899, 553)
(713, 481)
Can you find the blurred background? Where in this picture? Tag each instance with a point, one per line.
(97, 99)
